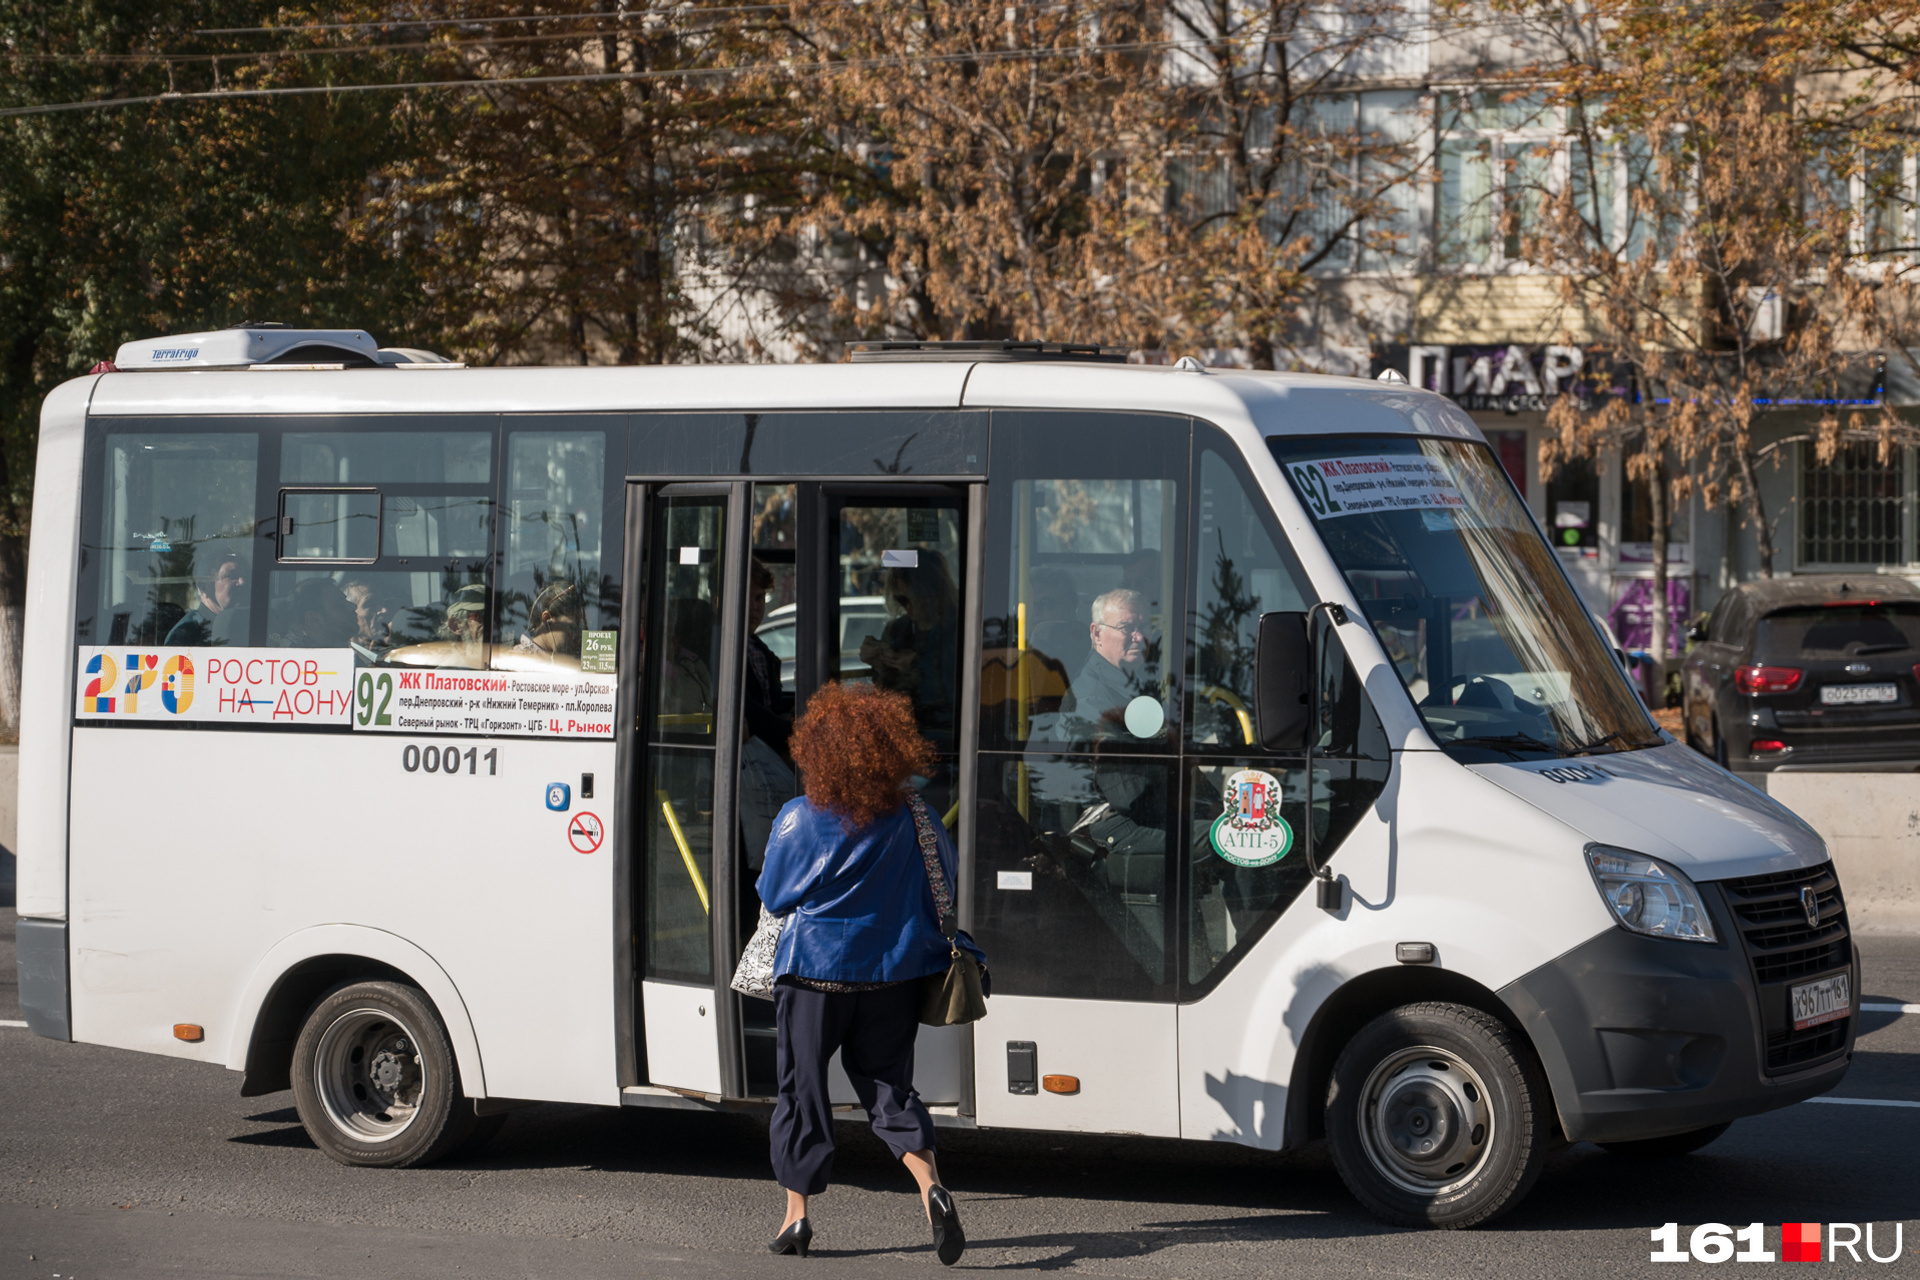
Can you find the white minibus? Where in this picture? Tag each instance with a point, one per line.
(406, 735)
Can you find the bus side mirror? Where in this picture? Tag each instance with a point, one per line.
(1282, 681)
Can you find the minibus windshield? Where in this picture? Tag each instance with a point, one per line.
(1462, 590)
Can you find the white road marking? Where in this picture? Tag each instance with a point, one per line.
(9, 1022)
(1864, 1102)
(1878, 1007)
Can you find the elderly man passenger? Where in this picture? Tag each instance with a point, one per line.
(1115, 672)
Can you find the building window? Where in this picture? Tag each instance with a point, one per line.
(1499, 154)
(1502, 156)
(1346, 151)
(1852, 511)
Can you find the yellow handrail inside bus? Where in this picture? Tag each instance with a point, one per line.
(686, 854)
(952, 813)
(1214, 693)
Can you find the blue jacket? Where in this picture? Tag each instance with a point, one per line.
(857, 904)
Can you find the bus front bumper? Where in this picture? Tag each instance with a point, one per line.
(1645, 1037)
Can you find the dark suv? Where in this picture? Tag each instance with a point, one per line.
(1814, 672)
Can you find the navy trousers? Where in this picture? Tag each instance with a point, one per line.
(874, 1032)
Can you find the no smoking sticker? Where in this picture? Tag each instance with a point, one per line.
(584, 832)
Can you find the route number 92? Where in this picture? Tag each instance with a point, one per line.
(372, 697)
(1313, 487)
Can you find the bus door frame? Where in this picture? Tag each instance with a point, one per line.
(819, 504)
(630, 766)
(816, 647)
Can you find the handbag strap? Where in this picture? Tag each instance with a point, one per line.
(930, 854)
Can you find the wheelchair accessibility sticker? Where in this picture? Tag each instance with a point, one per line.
(1251, 832)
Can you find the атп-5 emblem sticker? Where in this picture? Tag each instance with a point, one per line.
(1251, 832)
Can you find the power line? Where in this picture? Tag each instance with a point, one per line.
(1399, 33)
(190, 57)
(596, 77)
(614, 77)
(1410, 32)
(626, 14)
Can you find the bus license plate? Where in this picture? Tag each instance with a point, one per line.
(1827, 1000)
(1841, 695)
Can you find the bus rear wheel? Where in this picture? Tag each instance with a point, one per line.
(1438, 1116)
(374, 1078)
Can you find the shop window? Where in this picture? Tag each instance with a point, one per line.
(1573, 505)
(1511, 448)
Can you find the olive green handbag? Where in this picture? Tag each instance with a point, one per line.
(955, 997)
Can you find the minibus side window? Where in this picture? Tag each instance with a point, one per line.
(553, 583)
(1078, 846)
(1236, 890)
(174, 547)
(1241, 570)
(423, 599)
(1082, 586)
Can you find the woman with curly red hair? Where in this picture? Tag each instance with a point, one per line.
(845, 870)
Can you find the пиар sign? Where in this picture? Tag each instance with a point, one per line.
(1509, 377)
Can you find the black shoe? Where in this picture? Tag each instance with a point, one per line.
(949, 1241)
(795, 1239)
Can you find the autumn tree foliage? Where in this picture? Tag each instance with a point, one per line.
(172, 216)
(1701, 234)
(1155, 176)
(964, 166)
(566, 210)
(1272, 174)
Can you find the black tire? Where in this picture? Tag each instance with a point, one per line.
(1674, 1144)
(375, 1081)
(1438, 1116)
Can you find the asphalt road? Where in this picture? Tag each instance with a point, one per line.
(123, 1164)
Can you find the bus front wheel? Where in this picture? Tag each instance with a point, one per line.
(1438, 1116)
(374, 1078)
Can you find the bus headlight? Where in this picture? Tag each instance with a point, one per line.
(1648, 896)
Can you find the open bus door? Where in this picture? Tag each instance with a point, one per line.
(751, 596)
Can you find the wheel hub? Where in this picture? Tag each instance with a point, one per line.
(385, 1072)
(1425, 1120)
(369, 1075)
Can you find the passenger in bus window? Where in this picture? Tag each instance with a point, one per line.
(466, 626)
(769, 707)
(218, 581)
(373, 632)
(323, 616)
(1115, 673)
(553, 622)
(687, 680)
(766, 768)
(917, 652)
